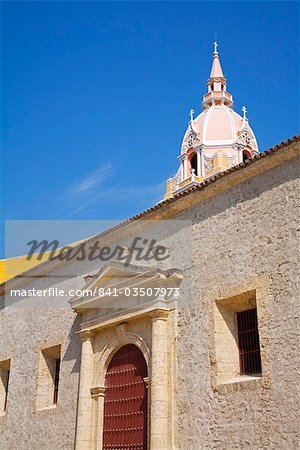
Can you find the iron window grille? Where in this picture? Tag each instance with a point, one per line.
(248, 341)
(56, 380)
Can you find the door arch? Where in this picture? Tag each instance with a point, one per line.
(125, 401)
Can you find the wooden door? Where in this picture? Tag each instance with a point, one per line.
(125, 402)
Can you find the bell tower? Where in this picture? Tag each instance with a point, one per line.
(217, 139)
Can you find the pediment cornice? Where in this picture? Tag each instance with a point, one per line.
(114, 283)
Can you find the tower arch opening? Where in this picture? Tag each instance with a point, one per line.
(246, 155)
(193, 163)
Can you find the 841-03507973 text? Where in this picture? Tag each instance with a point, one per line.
(136, 292)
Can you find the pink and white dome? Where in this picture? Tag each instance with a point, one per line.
(218, 126)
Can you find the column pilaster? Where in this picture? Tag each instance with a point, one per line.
(240, 154)
(202, 163)
(159, 435)
(199, 171)
(185, 167)
(84, 427)
(182, 170)
(98, 395)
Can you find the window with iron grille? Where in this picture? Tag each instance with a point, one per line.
(248, 341)
(56, 380)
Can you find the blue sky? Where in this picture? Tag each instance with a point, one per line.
(96, 95)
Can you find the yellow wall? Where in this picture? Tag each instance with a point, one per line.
(13, 266)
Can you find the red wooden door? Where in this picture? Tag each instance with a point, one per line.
(125, 402)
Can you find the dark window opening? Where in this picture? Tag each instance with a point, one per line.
(4, 384)
(248, 341)
(212, 86)
(246, 155)
(56, 380)
(194, 164)
(6, 390)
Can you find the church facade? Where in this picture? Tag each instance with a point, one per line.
(191, 344)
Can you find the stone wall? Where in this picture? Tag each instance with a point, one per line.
(241, 237)
(22, 337)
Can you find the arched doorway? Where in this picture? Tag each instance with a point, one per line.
(125, 401)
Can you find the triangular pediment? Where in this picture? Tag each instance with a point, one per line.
(112, 273)
(112, 280)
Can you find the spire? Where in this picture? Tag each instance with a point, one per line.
(217, 84)
(216, 69)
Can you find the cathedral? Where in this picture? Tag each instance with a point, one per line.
(176, 329)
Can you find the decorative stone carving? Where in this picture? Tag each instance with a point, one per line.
(191, 140)
(208, 165)
(245, 137)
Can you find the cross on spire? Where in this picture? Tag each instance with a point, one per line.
(244, 111)
(216, 70)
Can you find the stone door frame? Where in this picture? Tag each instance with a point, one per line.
(89, 429)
